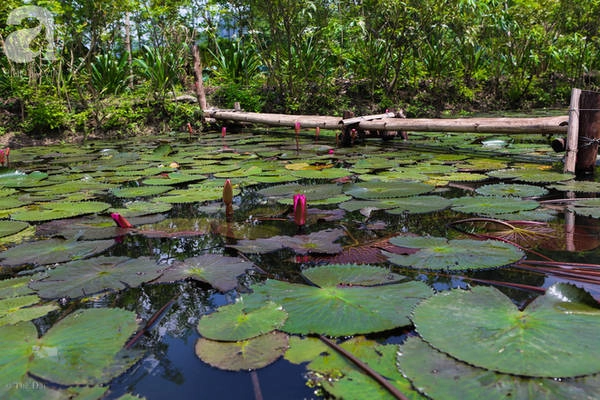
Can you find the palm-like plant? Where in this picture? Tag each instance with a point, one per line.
(161, 67)
(235, 62)
(110, 74)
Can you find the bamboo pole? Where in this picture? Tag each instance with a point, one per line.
(283, 120)
(474, 125)
(573, 132)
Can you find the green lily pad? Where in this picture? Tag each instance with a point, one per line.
(495, 335)
(419, 205)
(15, 287)
(326, 173)
(381, 190)
(530, 175)
(344, 310)
(218, 270)
(350, 275)
(439, 376)
(312, 192)
(173, 178)
(84, 348)
(17, 309)
(140, 191)
(95, 275)
(58, 210)
(18, 179)
(434, 253)
(139, 208)
(8, 228)
(492, 205)
(511, 190)
(577, 186)
(51, 251)
(245, 355)
(193, 195)
(235, 322)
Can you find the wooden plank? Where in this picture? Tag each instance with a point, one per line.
(573, 132)
(588, 133)
(477, 125)
(355, 120)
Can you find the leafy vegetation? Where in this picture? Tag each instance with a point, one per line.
(118, 68)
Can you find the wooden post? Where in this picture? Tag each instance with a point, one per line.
(200, 94)
(572, 132)
(589, 132)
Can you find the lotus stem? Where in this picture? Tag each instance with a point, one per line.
(317, 133)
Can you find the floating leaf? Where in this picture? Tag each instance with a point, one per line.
(140, 191)
(95, 275)
(350, 275)
(16, 309)
(491, 205)
(436, 253)
(321, 242)
(236, 321)
(380, 190)
(419, 205)
(494, 334)
(327, 173)
(59, 210)
(139, 208)
(511, 190)
(441, 377)
(18, 179)
(531, 175)
(341, 311)
(52, 251)
(218, 270)
(81, 349)
(249, 354)
(577, 186)
(312, 192)
(15, 287)
(173, 178)
(8, 228)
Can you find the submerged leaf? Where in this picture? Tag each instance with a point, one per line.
(350, 275)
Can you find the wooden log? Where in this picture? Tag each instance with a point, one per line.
(198, 80)
(477, 125)
(589, 132)
(283, 120)
(356, 120)
(573, 132)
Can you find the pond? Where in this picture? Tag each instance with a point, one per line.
(449, 265)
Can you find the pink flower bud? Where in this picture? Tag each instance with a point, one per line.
(120, 220)
(300, 209)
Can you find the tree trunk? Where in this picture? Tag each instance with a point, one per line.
(589, 132)
(199, 84)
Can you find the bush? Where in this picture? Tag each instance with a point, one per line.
(249, 97)
(45, 115)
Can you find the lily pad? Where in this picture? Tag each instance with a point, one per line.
(511, 190)
(419, 205)
(577, 186)
(530, 175)
(439, 376)
(53, 251)
(321, 242)
(236, 321)
(343, 310)
(8, 228)
(350, 275)
(434, 253)
(84, 348)
(139, 208)
(140, 191)
(87, 277)
(15, 287)
(58, 210)
(218, 270)
(492, 205)
(245, 355)
(381, 190)
(495, 335)
(17, 309)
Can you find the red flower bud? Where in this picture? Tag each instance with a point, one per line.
(300, 209)
(227, 193)
(121, 221)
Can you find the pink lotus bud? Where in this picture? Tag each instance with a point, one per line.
(317, 133)
(120, 220)
(223, 131)
(297, 127)
(331, 151)
(300, 209)
(227, 193)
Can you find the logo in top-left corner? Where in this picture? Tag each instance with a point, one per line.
(18, 44)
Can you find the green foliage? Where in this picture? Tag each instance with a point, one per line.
(110, 74)
(250, 98)
(45, 115)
